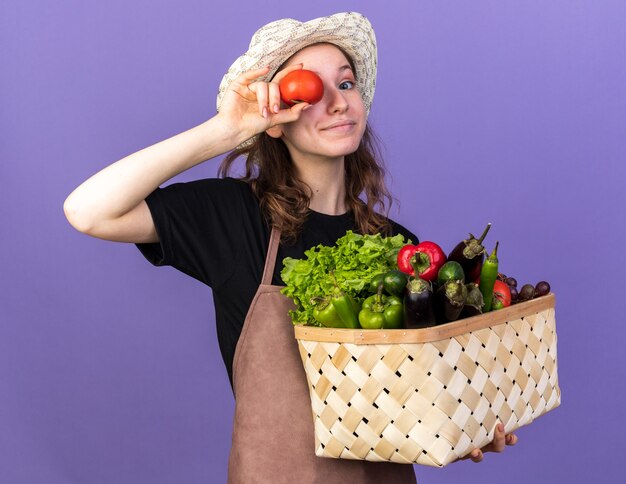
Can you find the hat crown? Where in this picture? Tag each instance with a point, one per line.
(269, 29)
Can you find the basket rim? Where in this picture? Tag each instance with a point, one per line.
(424, 335)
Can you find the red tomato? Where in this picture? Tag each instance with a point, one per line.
(501, 295)
(301, 86)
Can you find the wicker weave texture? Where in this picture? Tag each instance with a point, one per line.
(431, 403)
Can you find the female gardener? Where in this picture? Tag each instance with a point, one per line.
(311, 175)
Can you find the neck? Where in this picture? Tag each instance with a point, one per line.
(326, 178)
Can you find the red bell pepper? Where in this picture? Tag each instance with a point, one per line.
(423, 260)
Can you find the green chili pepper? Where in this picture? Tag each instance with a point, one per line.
(347, 309)
(337, 311)
(488, 276)
(382, 312)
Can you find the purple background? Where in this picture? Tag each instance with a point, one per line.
(491, 111)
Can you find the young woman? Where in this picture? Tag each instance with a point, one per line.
(312, 173)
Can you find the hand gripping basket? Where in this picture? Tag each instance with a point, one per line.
(430, 396)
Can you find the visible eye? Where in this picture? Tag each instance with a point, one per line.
(346, 85)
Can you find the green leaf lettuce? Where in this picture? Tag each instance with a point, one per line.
(353, 262)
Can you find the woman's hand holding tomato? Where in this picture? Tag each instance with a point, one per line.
(250, 106)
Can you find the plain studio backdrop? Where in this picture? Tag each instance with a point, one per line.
(506, 112)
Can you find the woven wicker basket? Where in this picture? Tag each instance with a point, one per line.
(430, 396)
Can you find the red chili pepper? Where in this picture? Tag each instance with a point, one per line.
(425, 258)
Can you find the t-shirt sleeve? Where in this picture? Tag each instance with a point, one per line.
(197, 227)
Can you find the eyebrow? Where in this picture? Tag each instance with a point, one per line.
(343, 68)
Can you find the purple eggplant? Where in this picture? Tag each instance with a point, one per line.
(470, 253)
(473, 302)
(418, 304)
(449, 301)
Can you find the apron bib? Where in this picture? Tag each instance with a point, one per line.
(273, 437)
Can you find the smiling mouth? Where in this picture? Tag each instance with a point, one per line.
(339, 126)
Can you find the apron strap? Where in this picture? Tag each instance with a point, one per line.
(270, 258)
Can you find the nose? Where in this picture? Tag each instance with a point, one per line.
(337, 102)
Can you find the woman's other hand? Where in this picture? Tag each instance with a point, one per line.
(499, 443)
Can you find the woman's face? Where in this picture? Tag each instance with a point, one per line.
(333, 127)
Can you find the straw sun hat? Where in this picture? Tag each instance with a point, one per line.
(277, 41)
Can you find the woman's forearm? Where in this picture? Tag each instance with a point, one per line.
(117, 189)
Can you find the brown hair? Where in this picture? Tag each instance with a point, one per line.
(284, 199)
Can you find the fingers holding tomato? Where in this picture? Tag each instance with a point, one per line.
(262, 94)
(267, 98)
(251, 105)
(246, 94)
(275, 97)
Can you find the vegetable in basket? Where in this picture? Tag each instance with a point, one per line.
(376, 281)
(501, 295)
(423, 260)
(347, 309)
(338, 311)
(488, 276)
(449, 301)
(382, 312)
(450, 271)
(470, 254)
(527, 291)
(326, 314)
(394, 282)
(345, 306)
(473, 301)
(418, 304)
(350, 264)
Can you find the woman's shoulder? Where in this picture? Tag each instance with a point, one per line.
(218, 189)
(223, 185)
(220, 197)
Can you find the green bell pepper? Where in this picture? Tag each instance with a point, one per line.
(326, 314)
(382, 312)
(347, 309)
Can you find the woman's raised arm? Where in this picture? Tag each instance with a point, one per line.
(111, 204)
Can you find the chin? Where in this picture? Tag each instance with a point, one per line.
(342, 149)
